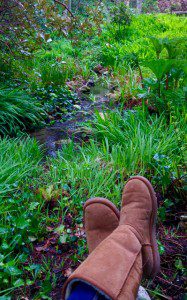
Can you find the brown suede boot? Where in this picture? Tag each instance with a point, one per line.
(101, 217)
(139, 207)
(114, 268)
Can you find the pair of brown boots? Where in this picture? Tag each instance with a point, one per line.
(122, 245)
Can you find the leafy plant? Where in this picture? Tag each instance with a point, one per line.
(56, 100)
(162, 211)
(158, 44)
(161, 247)
(176, 47)
(170, 74)
(160, 68)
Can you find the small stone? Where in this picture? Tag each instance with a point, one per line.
(77, 106)
(84, 89)
(63, 142)
(183, 222)
(68, 272)
(32, 238)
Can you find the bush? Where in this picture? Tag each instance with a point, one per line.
(121, 15)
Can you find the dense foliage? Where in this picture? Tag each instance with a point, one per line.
(52, 56)
(18, 111)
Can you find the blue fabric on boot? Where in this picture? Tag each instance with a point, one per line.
(83, 291)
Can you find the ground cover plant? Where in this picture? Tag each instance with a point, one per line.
(107, 88)
(19, 160)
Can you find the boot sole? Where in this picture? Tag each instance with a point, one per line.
(103, 201)
(152, 227)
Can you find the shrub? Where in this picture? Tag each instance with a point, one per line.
(121, 18)
(150, 5)
(55, 70)
(121, 15)
(53, 74)
(170, 76)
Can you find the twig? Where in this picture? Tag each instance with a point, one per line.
(65, 6)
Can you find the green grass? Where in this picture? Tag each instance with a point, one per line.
(20, 163)
(141, 138)
(17, 111)
(124, 145)
(19, 159)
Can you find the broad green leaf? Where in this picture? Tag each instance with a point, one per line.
(159, 67)
(158, 44)
(176, 47)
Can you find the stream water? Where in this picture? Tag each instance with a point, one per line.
(52, 137)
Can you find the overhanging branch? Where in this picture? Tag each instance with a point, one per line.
(65, 6)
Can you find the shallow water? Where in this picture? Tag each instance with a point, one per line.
(52, 137)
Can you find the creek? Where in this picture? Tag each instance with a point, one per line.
(52, 137)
